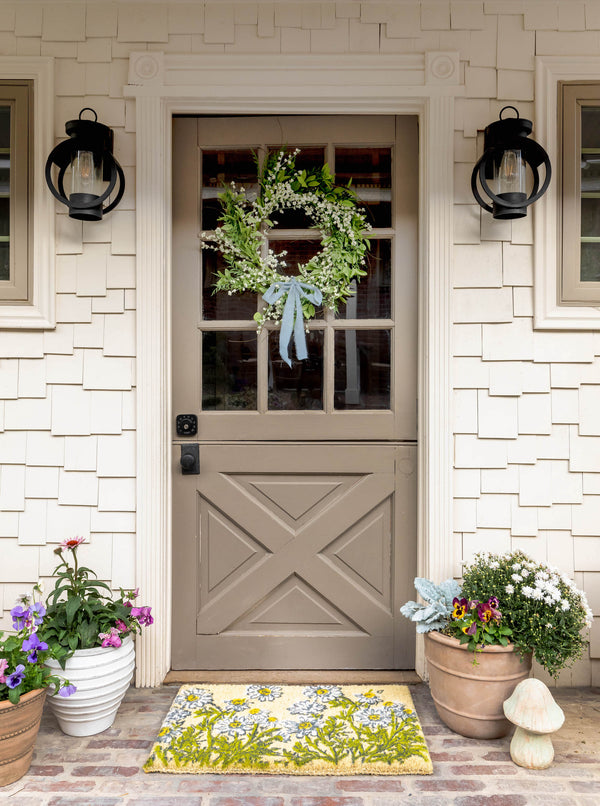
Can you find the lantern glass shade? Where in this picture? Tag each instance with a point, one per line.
(510, 174)
(86, 173)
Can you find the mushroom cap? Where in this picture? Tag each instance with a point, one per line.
(532, 707)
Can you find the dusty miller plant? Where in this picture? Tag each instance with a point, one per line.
(435, 615)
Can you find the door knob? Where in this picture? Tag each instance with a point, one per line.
(190, 459)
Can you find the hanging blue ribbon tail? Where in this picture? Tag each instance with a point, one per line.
(292, 319)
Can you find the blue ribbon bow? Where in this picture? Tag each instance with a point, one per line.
(292, 319)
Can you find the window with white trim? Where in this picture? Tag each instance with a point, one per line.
(580, 196)
(15, 197)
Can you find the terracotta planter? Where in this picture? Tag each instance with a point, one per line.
(19, 725)
(102, 676)
(469, 698)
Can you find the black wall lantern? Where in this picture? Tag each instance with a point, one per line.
(502, 168)
(88, 154)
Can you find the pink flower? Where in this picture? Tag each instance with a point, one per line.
(72, 542)
(3, 667)
(142, 614)
(121, 626)
(110, 638)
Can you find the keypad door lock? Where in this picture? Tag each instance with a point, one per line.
(190, 459)
(186, 425)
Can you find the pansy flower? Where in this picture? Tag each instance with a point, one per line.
(21, 616)
(460, 608)
(33, 645)
(16, 678)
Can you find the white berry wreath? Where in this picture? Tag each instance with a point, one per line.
(327, 278)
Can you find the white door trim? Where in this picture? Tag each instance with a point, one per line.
(165, 84)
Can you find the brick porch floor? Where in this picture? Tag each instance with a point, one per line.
(105, 770)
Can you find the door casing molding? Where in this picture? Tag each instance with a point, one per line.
(163, 85)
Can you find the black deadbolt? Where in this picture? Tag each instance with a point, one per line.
(186, 425)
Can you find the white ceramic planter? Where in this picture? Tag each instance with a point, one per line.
(102, 676)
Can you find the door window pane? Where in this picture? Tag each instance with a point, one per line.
(219, 168)
(372, 299)
(309, 157)
(371, 172)
(298, 252)
(590, 127)
(219, 304)
(5, 127)
(301, 386)
(229, 370)
(362, 369)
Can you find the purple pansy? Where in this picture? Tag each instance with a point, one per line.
(66, 691)
(17, 677)
(38, 613)
(20, 616)
(33, 645)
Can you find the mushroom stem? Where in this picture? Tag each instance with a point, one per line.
(534, 751)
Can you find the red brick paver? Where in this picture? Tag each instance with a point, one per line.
(105, 770)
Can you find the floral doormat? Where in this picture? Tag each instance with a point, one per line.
(291, 730)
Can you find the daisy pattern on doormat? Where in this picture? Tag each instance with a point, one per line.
(293, 730)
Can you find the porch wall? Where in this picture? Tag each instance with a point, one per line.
(527, 431)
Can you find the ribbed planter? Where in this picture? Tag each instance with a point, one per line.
(19, 725)
(469, 698)
(102, 676)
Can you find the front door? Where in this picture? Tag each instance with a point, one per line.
(295, 544)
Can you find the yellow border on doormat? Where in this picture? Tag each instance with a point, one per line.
(291, 730)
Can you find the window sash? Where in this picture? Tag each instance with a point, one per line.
(573, 97)
(17, 289)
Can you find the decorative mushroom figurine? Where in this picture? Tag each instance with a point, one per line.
(533, 710)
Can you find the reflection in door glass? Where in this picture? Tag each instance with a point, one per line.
(372, 299)
(362, 369)
(219, 304)
(300, 387)
(371, 172)
(309, 157)
(219, 168)
(298, 252)
(229, 370)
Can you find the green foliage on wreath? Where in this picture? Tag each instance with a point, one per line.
(241, 237)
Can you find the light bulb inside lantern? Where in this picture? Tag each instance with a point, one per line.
(510, 174)
(85, 173)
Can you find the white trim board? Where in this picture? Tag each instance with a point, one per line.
(163, 85)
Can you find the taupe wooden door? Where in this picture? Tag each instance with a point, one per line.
(295, 545)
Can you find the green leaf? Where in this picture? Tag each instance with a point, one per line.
(72, 606)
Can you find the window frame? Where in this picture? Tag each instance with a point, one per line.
(573, 96)
(17, 95)
(37, 310)
(551, 312)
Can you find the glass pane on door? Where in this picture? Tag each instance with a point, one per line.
(370, 170)
(219, 304)
(362, 369)
(301, 385)
(372, 298)
(228, 370)
(220, 168)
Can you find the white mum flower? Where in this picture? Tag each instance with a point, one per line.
(528, 592)
(564, 605)
(509, 589)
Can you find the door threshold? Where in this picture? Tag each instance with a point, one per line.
(295, 677)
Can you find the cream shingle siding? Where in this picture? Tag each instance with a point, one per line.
(527, 403)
